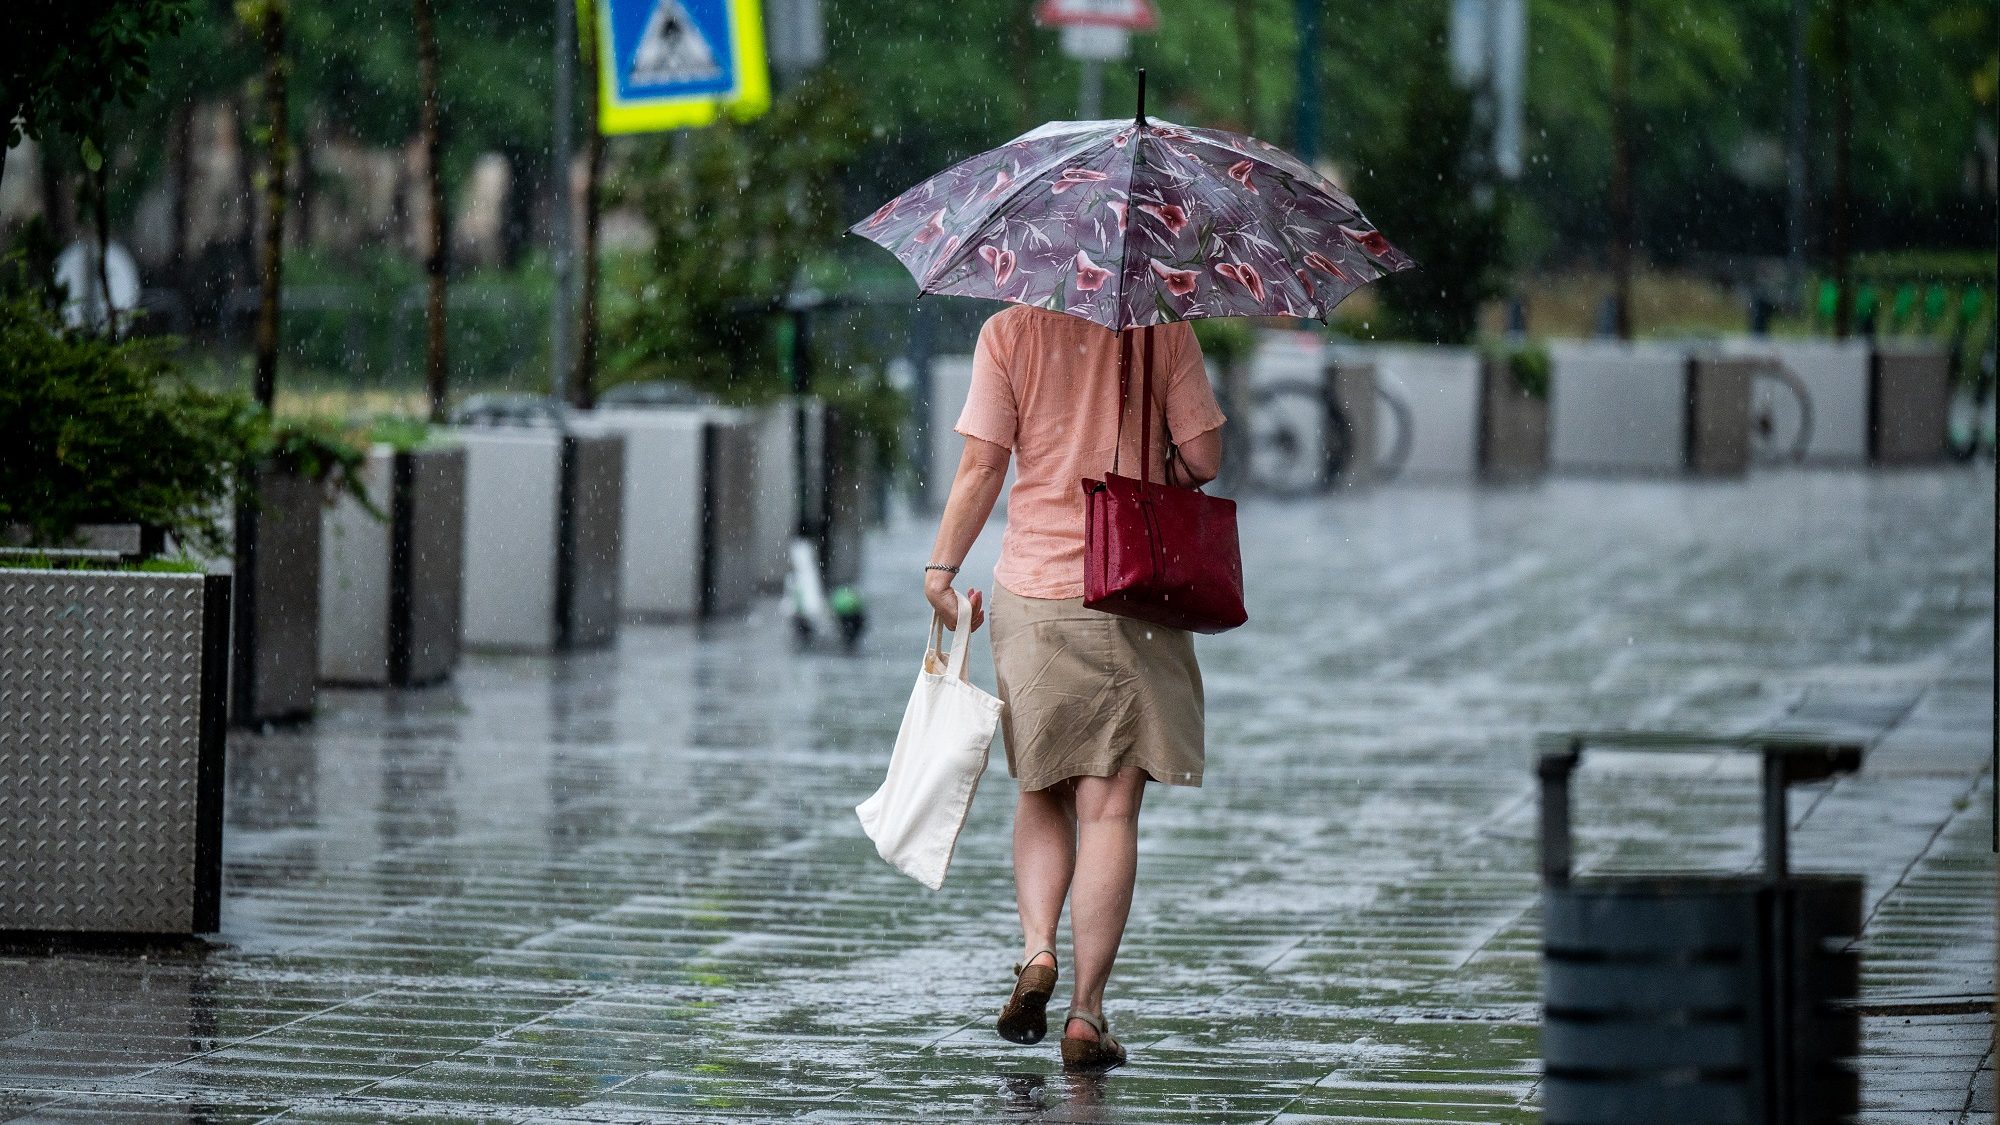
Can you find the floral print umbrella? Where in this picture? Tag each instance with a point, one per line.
(1136, 222)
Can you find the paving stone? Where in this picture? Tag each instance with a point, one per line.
(628, 886)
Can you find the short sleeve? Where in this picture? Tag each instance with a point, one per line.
(989, 413)
(1191, 405)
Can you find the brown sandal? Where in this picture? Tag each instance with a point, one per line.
(1024, 1018)
(1101, 1053)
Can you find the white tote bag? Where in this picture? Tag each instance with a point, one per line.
(916, 816)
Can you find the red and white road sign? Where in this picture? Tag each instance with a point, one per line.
(1126, 15)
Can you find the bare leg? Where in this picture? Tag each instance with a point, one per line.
(1044, 858)
(1107, 811)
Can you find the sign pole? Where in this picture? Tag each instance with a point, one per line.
(1090, 99)
(562, 322)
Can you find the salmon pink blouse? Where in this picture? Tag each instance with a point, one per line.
(1045, 385)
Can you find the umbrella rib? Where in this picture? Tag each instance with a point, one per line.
(1014, 190)
(1290, 244)
(1312, 178)
(1132, 162)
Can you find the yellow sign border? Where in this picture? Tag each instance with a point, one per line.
(750, 97)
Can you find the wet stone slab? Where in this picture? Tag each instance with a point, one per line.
(628, 886)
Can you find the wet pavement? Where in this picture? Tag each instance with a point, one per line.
(625, 886)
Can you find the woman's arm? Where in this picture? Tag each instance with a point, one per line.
(1199, 459)
(974, 488)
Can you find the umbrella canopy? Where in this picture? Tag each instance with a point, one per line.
(1136, 222)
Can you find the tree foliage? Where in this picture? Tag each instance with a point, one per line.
(99, 431)
(63, 64)
(735, 211)
(1432, 188)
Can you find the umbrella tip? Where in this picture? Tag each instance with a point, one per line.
(1142, 97)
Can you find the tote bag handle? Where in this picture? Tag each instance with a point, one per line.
(960, 641)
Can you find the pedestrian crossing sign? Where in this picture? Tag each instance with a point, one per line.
(677, 64)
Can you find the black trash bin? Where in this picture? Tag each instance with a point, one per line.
(1679, 998)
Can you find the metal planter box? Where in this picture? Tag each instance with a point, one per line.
(840, 481)
(112, 710)
(275, 673)
(1909, 395)
(390, 590)
(1718, 415)
(1513, 426)
(541, 546)
(775, 462)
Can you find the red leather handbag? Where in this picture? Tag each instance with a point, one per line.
(1156, 551)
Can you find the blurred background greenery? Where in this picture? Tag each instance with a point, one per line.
(708, 234)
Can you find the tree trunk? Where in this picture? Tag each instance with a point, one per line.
(182, 173)
(1621, 169)
(583, 389)
(271, 33)
(1843, 152)
(302, 230)
(52, 194)
(434, 241)
(517, 220)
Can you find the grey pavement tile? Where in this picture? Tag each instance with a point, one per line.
(126, 1110)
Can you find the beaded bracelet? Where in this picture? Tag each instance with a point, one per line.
(941, 566)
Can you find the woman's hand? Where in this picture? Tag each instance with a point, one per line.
(944, 599)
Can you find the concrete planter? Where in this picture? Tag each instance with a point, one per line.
(1649, 409)
(1909, 398)
(1617, 408)
(541, 548)
(113, 702)
(689, 525)
(1442, 390)
(1837, 378)
(390, 591)
(275, 674)
(1513, 426)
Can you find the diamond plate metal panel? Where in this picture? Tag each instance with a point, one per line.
(101, 751)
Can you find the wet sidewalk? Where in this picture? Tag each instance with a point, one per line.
(628, 886)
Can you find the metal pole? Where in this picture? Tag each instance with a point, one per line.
(1795, 158)
(1090, 100)
(562, 322)
(1306, 143)
(1621, 170)
(1843, 150)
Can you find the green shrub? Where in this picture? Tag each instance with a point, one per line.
(103, 431)
(736, 211)
(318, 449)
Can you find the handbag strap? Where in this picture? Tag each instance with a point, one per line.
(1145, 402)
(955, 660)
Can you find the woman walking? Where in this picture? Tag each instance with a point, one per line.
(1097, 704)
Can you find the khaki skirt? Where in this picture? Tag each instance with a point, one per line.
(1089, 693)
